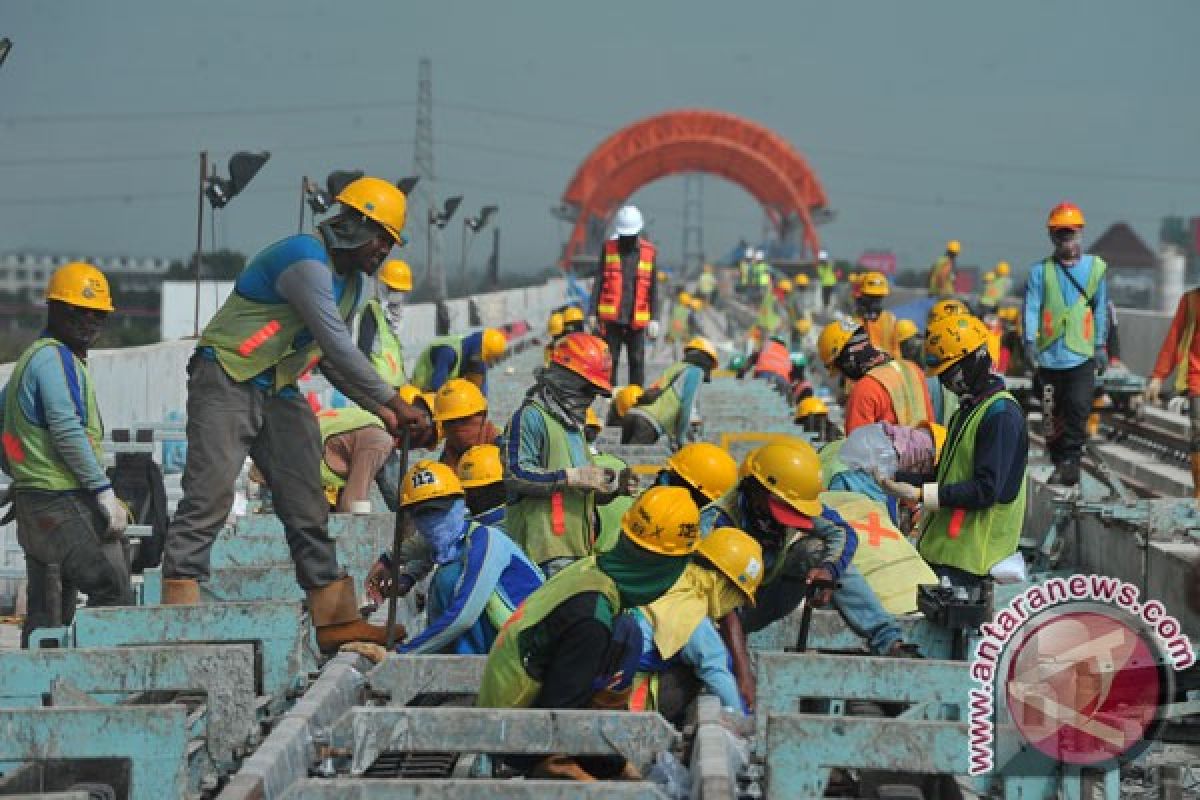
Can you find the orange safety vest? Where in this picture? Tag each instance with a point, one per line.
(906, 387)
(612, 284)
(774, 359)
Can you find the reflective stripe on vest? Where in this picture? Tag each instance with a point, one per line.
(906, 389)
(975, 540)
(387, 356)
(33, 458)
(608, 305)
(334, 421)
(1075, 324)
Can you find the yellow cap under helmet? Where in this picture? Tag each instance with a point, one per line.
(429, 480)
(80, 284)
(396, 275)
(950, 338)
(378, 200)
(456, 399)
(789, 469)
(708, 468)
(737, 555)
(480, 466)
(664, 520)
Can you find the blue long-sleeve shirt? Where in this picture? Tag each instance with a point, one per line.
(687, 385)
(705, 652)
(525, 448)
(1001, 452)
(1057, 356)
(53, 395)
(459, 592)
(446, 365)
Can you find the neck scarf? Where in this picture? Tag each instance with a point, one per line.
(640, 575)
(564, 394)
(446, 530)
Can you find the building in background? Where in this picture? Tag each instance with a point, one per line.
(28, 271)
(1132, 267)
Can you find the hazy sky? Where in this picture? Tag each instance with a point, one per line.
(923, 120)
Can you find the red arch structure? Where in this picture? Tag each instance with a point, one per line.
(693, 140)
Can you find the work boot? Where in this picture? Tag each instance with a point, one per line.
(180, 592)
(901, 649)
(334, 610)
(1195, 475)
(1065, 474)
(560, 768)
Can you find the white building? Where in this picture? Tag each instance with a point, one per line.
(30, 270)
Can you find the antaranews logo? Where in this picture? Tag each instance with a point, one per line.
(1076, 670)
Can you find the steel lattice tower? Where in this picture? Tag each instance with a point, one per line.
(426, 189)
(693, 223)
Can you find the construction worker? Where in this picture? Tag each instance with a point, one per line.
(287, 310)
(67, 512)
(379, 325)
(552, 650)
(682, 651)
(769, 319)
(908, 340)
(1066, 328)
(572, 319)
(679, 325)
(548, 470)
(354, 448)
(624, 399)
(461, 409)
(460, 356)
(761, 274)
(974, 506)
(885, 389)
(554, 329)
(995, 288)
(941, 274)
(665, 408)
(827, 277)
(624, 297)
(481, 473)
(772, 363)
(868, 309)
(813, 416)
(706, 284)
(776, 501)
(947, 307)
(480, 577)
(801, 386)
(745, 267)
(1180, 353)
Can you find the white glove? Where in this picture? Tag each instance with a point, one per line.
(114, 511)
(899, 489)
(598, 479)
(653, 329)
(1153, 394)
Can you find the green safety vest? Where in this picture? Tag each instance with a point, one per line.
(559, 525)
(994, 291)
(971, 540)
(250, 337)
(768, 316)
(333, 421)
(762, 273)
(610, 513)
(506, 682)
(830, 457)
(1076, 324)
(33, 458)
(680, 315)
(387, 355)
(422, 376)
(826, 274)
(706, 282)
(666, 407)
(744, 272)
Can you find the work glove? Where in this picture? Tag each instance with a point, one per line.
(407, 416)
(1101, 358)
(1153, 393)
(597, 479)
(372, 652)
(114, 512)
(899, 489)
(1031, 355)
(653, 329)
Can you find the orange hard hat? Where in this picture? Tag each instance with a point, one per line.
(1065, 215)
(587, 356)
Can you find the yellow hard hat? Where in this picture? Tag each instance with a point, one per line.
(811, 405)
(947, 308)
(429, 480)
(704, 346)
(554, 326)
(685, 299)
(790, 470)
(950, 338)
(708, 468)
(856, 277)
(738, 556)
(801, 280)
(626, 398)
(874, 284)
(954, 246)
(572, 314)
(458, 398)
(80, 284)
(803, 325)
(494, 344)
(989, 276)
(591, 419)
(832, 341)
(939, 437)
(379, 200)
(412, 395)
(1002, 268)
(905, 330)
(480, 466)
(662, 277)
(785, 285)
(663, 520)
(697, 304)
(395, 274)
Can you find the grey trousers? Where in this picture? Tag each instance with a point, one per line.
(68, 529)
(226, 421)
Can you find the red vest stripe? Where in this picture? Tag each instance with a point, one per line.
(608, 305)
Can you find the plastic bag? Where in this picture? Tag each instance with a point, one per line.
(1010, 570)
(869, 448)
(671, 776)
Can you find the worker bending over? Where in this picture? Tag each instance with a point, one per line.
(461, 409)
(885, 389)
(67, 512)
(459, 356)
(1180, 353)
(354, 448)
(665, 409)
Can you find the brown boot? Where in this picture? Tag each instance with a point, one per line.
(334, 610)
(180, 592)
(560, 768)
(1196, 475)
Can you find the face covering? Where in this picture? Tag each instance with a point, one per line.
(969, 374)
(870, 307)
(564, 394)
(641, 576)
(444, 529)
(393, 309)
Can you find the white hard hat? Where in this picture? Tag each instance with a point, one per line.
(749, 252)
(760, 254)
(629, 221)
(823, 255)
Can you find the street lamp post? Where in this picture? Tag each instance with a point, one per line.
(475, 224)
(440, 219)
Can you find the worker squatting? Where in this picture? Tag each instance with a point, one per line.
(541, 552)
